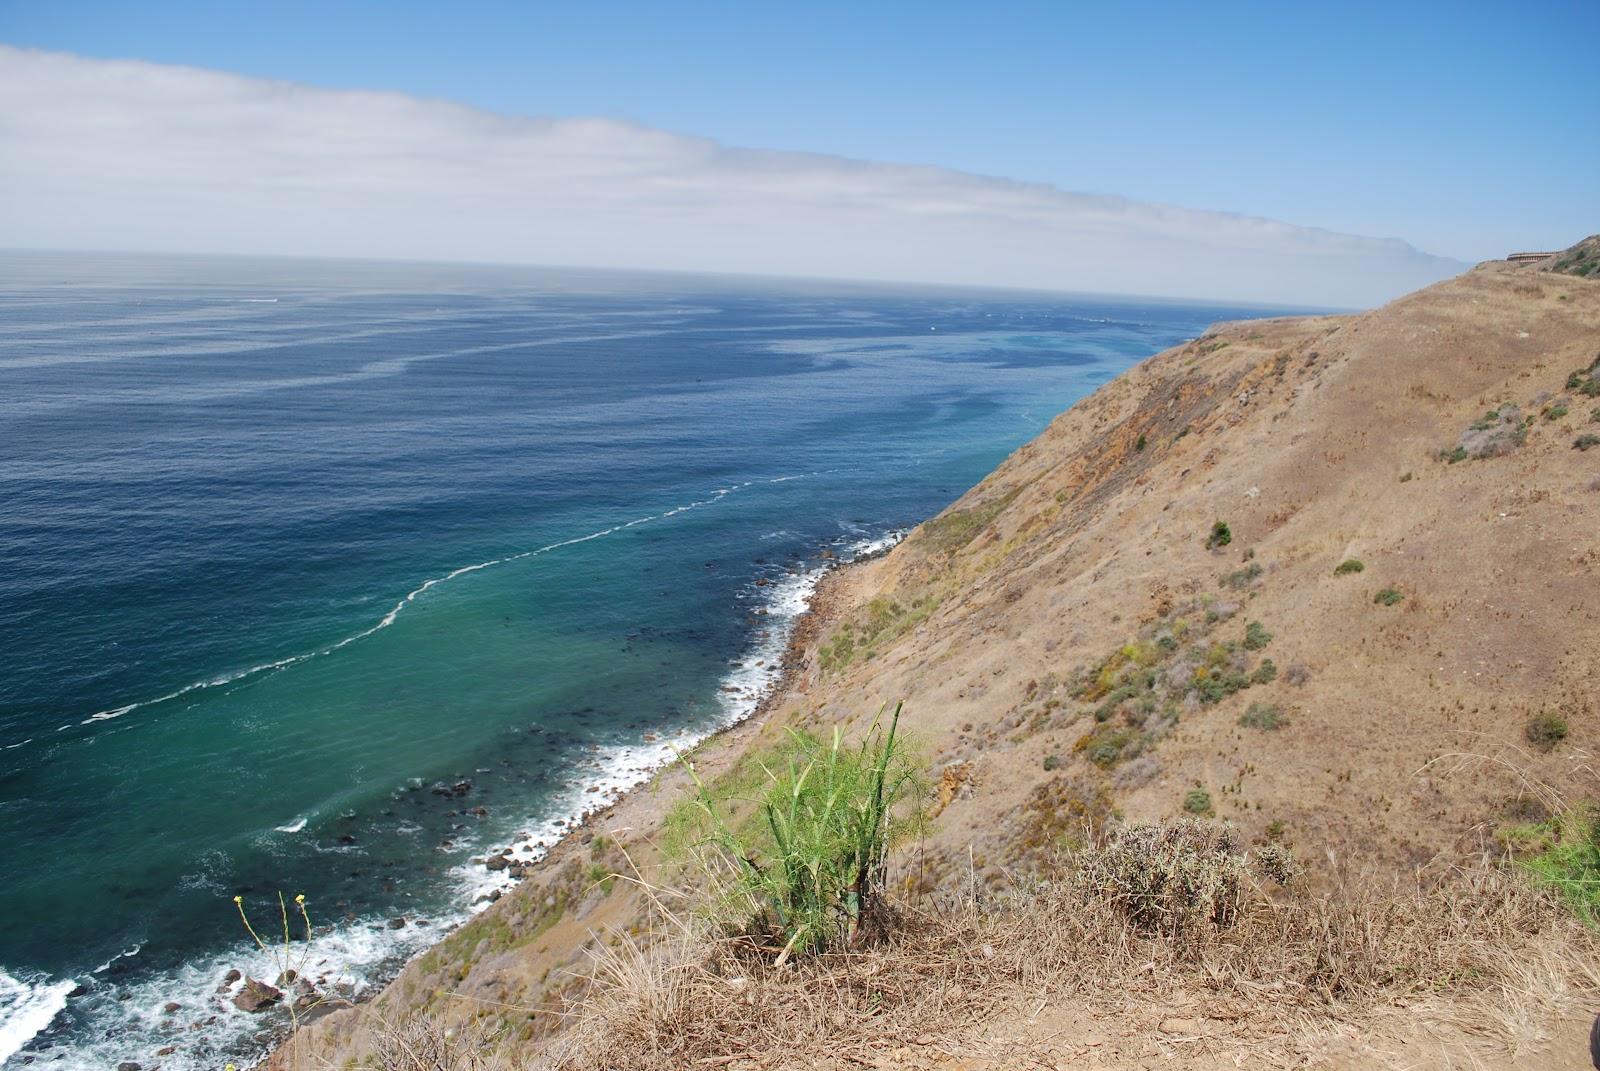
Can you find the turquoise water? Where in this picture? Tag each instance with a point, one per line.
(287, 546)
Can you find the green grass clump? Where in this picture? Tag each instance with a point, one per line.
(1556, 412)
(1563, 854)
(1546, 731)
(1197, 801)
(1263, 716)
(809, 873)
(1348, 566)
(1221, 535)
(1265, 673)
(1388, 597)
(1051, 762)
(1256, 636)
(1586, 442)
(1139, 443)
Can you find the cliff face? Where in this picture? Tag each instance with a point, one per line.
(1373, 718)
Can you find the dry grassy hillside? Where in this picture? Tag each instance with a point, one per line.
(1079, 647)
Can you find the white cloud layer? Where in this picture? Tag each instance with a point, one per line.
(99, 154)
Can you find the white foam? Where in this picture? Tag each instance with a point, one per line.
(293, 827)
(26, 1008)
(131, 1018)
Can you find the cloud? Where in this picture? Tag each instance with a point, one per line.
(101, 154)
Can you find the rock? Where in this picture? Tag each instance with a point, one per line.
(286, 977)
(398, 923)
(171, 1007)
(496, 862)
(256, 996)
(231, 977)
(128, 1065)
(168, 1051)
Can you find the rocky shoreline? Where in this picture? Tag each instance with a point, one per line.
(823, 606)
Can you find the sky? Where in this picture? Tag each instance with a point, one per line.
(1237, 151)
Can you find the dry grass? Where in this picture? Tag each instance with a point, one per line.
(426, 1044)
(1481, 949)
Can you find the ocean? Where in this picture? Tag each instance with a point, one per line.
(323, 577)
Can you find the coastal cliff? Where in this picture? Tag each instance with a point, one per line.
(1356, 560)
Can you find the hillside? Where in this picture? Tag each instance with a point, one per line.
(1078, 646)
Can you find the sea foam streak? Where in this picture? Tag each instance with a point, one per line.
(410, 597)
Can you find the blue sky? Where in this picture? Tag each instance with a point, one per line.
(1463, 128)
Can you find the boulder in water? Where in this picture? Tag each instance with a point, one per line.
(256, 996)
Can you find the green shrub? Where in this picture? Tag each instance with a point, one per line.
(1563, 854)
(1556, 412)
(1197, 801)
(1388, 597)
(1221, 535)
(1256, 636)
(1263, 716)
(1348, 566)
(1265, 673)
(1546, 731)
(1586, 442)
(1453, 455)
(810, 875)
(1051, 762)
(1139, 443)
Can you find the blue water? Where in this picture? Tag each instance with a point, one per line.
(225, 485)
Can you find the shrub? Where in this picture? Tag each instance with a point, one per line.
(1256, 636)
(1388, 597)
(1139, 443)
(1546, 731)
(1177, 878)
(1265, 673)
(1051, 762)
(1348, 566)
(1499, 432)
(1263, 716)
(1586, 442)
(1197, 801)
(813, 876)
(1278, 863)
(1243, 578)
(1556, 412)
(1221, 535)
